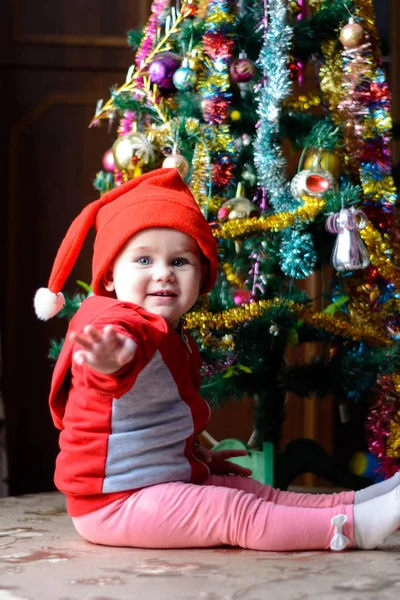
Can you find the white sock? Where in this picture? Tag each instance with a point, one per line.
(375, 519)
(378, 489)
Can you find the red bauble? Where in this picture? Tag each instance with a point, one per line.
(190, 9)
(242, 70)
(294, 71)
(241, 297)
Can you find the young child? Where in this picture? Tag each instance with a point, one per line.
(125, 395)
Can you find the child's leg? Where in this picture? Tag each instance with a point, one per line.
(279, 497)
(375, 519)
(182, 515)
(378, 489)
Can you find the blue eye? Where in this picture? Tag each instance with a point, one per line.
(144, 261)
(180, 262)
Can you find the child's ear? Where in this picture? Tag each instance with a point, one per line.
(108, 280)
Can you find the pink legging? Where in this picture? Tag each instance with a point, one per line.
(226, 510)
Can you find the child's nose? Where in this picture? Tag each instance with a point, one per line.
(163, 272)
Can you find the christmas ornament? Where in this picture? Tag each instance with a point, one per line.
(351, 35)
(194, 62)
(241, 296)
(314, 181)
(134, 145)
(108, 161)
(184, 78)
(190, 9)
(238, 207)
(242, 70)
(123, 152)
(349, 251)
(393, 327)
(329, 162)
(294, 71)
(236, 115)
(162, 69)
(178, 162)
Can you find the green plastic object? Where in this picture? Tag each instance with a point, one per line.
(261, 462)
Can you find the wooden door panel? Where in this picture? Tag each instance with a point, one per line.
(57, 62)
(76, 22)
(53, 159)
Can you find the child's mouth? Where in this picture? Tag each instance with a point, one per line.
(164, 294)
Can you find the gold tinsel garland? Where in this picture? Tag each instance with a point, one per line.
(201, 175)
(363, 304)
(239, 227)
(203, 322)
(365, 10)
(201, 180)
(396, 382)
(378, 251)
(393, 441)
(330, 74)
(303, 102)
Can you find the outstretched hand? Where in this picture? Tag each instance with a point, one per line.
(105, 351)
(219, 464)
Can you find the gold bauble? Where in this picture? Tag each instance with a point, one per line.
(352, 35)
(131, 146)
(238, 208)
(194, 63)
(329, 161)
(123, 152)
(178, 162)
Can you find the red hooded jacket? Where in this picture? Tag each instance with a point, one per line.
(134, 428)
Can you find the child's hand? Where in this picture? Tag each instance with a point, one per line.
(219, 464)
(104, 351)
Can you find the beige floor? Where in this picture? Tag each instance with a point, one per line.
(42, 558)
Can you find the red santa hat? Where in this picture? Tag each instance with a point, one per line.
(159, 198)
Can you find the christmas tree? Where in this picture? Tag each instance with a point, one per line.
(220, 90)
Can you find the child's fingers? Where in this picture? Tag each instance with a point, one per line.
(238, 469)
(94, 334)
(110, 331)
(80, 357)
(232, 453)
(111, 339)
(82, 340)
(127, 351)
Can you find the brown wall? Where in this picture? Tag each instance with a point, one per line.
(57, 60)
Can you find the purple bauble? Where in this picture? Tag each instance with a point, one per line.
(162, 69)
(108, 161)
(242, 70)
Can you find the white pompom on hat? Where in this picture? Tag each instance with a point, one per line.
(47, 303)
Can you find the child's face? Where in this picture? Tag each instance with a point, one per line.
(159, 269)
